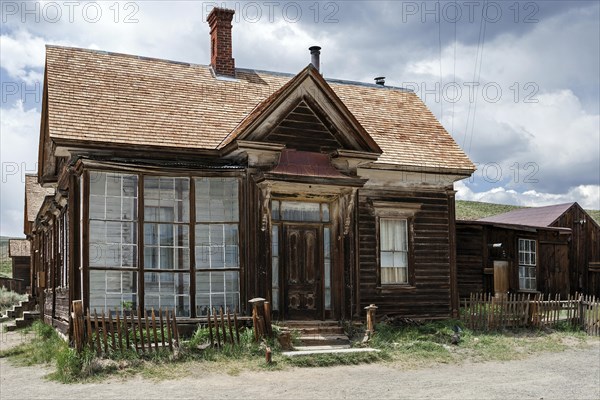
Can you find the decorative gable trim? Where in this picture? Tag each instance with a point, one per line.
(310, 88)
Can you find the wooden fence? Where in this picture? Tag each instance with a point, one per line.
(13, 284)
(486, 312)
(120, 330)
(221, 324)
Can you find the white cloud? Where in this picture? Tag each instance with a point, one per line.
(19, 133)
(23, 56)
(588, 196)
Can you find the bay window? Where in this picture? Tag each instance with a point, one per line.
(190, 251)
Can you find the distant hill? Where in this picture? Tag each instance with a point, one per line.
(470, 210)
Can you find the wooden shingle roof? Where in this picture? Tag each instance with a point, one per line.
(98, 98)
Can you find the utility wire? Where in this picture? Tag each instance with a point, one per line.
(476, 75)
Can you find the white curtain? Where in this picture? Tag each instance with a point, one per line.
(393, 238)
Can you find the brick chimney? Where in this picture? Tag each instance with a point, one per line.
(221, 58)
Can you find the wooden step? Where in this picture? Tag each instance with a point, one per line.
(22, 322)
(310, 352)
(304, 331)
(10, 327)
(323, 339)
(31, 315)
(323, 347)
(307, 323)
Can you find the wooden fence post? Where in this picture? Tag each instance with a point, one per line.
(258, 319)
(371, 318)
(78, 330)
(267, 315)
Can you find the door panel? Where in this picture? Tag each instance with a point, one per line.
(303, 260)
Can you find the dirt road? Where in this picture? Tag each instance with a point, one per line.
(572, 374)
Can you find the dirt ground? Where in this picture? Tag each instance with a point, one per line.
(572, 374)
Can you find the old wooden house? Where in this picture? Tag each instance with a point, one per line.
(193, 186)
(19, 252)
(553, 249)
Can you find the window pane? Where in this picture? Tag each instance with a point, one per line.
(217, 200)
(216, 235)
(167, 290)
(151, 190)
(112, 289)
(151, 234)
(202, 257)
(150, 257)
(113, 208)
(165, 234)
(113, 184)
(97, 183)
(325, 209)
(300, 211)
(217, 289)
(97, 207)
(130, 186)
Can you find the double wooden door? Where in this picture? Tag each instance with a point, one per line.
(302, 271)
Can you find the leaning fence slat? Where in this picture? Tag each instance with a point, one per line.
(133, 330)
(175, 330)
(162, 327)
(216, 321)
(210, 330)
(97, 327)
(139, 320)
(147, 327)
(119, 329)
(223, 325)
(154, 330)
(112, 330)
(89, 328)
(229, 325)
(237, 327)
(104, 334)
(169, 337)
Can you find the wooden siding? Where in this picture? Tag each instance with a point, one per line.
(475, 258)
(470, 259)
(584, 249)
(428, 293)
(20, 269)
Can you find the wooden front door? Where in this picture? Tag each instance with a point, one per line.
(302, 271)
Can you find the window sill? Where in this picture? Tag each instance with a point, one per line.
(398, 287)
(528, 291)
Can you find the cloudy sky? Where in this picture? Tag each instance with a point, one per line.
(515, 83)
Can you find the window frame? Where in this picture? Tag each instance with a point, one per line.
(380, 251)
(399, 211)
(527, 266)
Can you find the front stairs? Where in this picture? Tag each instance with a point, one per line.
(319, 337)
(24, 315)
